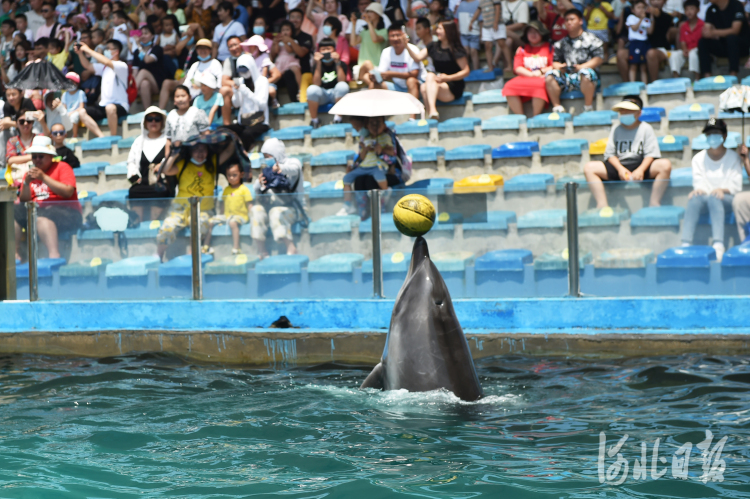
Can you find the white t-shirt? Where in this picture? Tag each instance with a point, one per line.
(34, 21)
(642, 32)
(114, 84)
(673, 6)
(197, 69)
(515, 12)
(400, 63)
(120, 33)
(223, 33)
(725, 173)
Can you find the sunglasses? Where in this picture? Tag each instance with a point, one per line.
(46, 11)
(154, 119)
(38, 156)
(59, 133)
(25, 122)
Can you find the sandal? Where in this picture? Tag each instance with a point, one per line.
(434, 116)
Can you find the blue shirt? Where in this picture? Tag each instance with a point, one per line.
(72, 101)
(206, 105)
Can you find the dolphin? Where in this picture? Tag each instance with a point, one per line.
(425, 348)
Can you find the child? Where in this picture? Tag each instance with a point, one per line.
(638, 30)
(22, 27)
(63, 10)
(691, 32)
(57, 134)
(597, 16)
(237, 202)
(209, 99)
(58, 51)
(7, 27)
(74, 101)
(493, 30)
(286, 59)
(97, 39)
(424, 33)
(469, 32)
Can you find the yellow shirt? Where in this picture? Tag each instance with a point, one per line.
(235, 200)
(58, 60)
(597, 17)
(196, 181)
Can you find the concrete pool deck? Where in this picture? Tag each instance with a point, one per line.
(354, 331)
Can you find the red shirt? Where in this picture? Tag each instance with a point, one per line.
(691, 38)
(533, 58)
(62, 172)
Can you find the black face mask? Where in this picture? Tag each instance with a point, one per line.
(327, 58)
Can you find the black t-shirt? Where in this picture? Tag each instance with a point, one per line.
(445, 59)
(723, 19)
(10, 111)
(658, 39)
(67, 156)
(156, 68)
(329, 77)
(306, 41)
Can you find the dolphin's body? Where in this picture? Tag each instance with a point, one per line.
(425, 348)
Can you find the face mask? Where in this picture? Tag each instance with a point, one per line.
(204, 59)
(327, 30)
(23, 59)
(714, 140)
(327, 57)
(259, 30)
(197, 163)
(627, 119)
(147, 44)
(108, 54)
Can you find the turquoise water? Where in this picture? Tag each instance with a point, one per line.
(154, 426)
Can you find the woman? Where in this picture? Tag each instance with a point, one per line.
(148, 59)
(451, 66)
(531, 63)
(104, 18)
(17, 159)
(330, 9)
(173, 8)
(371, 40)
(184, 120)
(168, 42)
(717, 177)
(332, 29)
(18, 59)
(146, 155)
(253, 104)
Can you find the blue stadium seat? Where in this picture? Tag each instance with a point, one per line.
(120, 168)
(337, 263)
(733, 141)
(433, 186)
(323, 109)
(105, 121)
(658, 216)
(386, 224)
(705, 219)
(482, 75)
(291, 133)
(624, 258)
(145, 230)
(458, 125)
(44, 267)
(291, 108)
(135, 266)
(737, 256)
(515, 150)
(543, 219)
(686, 257)
(120, 196)
(573, 94)
(90, 169)
(565, 147)
(425, 154)
(392, 262)
(332, 131)
(489, 97)
(714, 83)
(594, 218)
(508, 259)
(328, 190)
(135, 119)
(452, 261)
(734, 115)
(623, 89)
(126, 143)
(95, 235)
(558, 260)
(668, 86)
(281, 264)
(415, 127)
(595, 118)
(549, 120)
(528, 182)
(231, 265)
(334, 224)
(457, 102)
(100, 143)
(476, 151)
(91, 267)
(672, 143)
(681, 177)
(578, 179)
(504, 122)
(746, 80)
(182, 266)
(652, 114)
(447, 221)
(224, 230)
(692, 112)
(333, 158)
(84, 196)
(492, 220)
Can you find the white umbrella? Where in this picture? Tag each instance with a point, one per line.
(736, 98)
(371, 103)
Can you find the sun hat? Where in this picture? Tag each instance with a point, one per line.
(154, 110)
(244, 61)
(629, 103)
(541, 28)
(255, 41)
(375, 7)
(73, 77)
(204, 42)
(41, 145)
(715, 124)
(208, 80)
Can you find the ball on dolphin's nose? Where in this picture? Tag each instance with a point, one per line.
(414, 215)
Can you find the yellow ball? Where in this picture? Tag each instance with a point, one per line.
(414, 215)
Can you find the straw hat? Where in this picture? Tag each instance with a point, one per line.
(204, 42)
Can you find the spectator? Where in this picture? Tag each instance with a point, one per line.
(330, 8)
(661, 24)
(209, 100)
(676, 11)
(466, 12)
(553, 17)
(397, 70)
(597, 16)
(576, 58)
(741, 203)
(260, 28)
(532, 62)
(174, 8)
(35, 19)
(493, 30)
(168, 43)
(726, 34)
(256, 47)
(717, 177)
(226, 28)
(184, 121)
(228, 72)
(329, 80)
(301, 44)
(204, 64)
(148, 65)
(74, 100)
(241, 13)
(632, 154)
(64, 9)
(253, 104)
(7, 27)
(332, 26)
(690, 34)
(51, 27)
(113, 103)
(371, 40)
(65, 153)
(199, 12)
(437, 13)
(18, 160)
(148, 152)
(639, 25)
(451, 67)
(54, 112)
(50, 184)
(105, 22)
(236, 202)
(278, 211)
(515, 17)
(22, 27)
(18, 60)
(286, 59)
(41, 49)
(120, 32)
(58, 51)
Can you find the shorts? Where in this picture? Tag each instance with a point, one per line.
(325, 96)
(637, 51)
(572, 81)
(373, 171)
(470, 41)
(67, 219)
(601, 34)
(74, 117)
(98, 113)
(491, 35)
(177, 220)
(612, 173)
(223, 219)
(396, 88)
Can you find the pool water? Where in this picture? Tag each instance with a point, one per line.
(155, 426)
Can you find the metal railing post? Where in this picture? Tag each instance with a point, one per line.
(377, 262)
(31, 238)
(7, 244)
(574, 275)
(195, 246)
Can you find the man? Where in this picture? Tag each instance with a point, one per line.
(51, 27)
(576, 58)
(205, 63)
(226, 28)
(397, 70)
(725, 34)
(48, 183)
(632, 154)
(113, 101)
(229, 72)
(657, 54)
(302, 44)
(241, 13)
(34, 17)
(329, 80)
